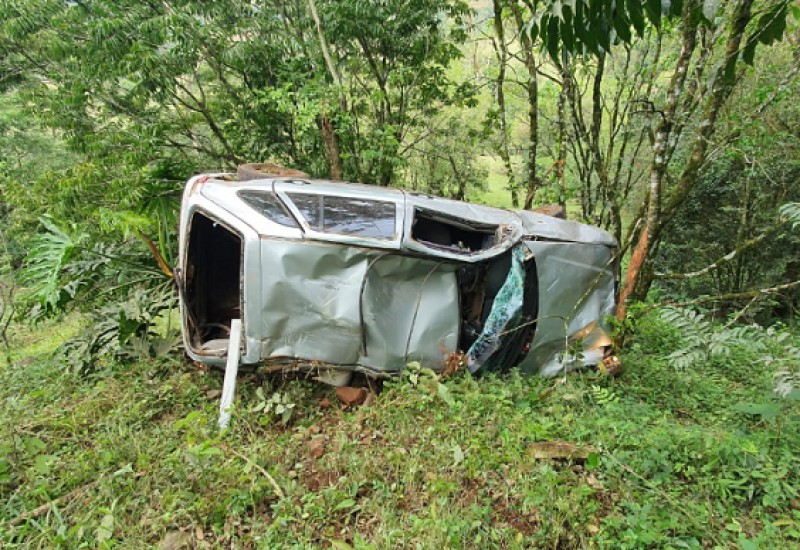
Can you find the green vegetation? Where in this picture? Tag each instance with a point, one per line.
(676, 129)
(132, 457)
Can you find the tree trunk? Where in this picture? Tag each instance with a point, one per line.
(331, 146)
(532, 89)
(638, 282)
(632, 287)
(501, 50)
(561, 149)
(325, 122)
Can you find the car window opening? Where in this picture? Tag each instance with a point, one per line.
(347, 215)
(451, 234)
(212, 283)
(269, 206)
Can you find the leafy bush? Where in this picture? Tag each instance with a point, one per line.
(704, 340)
(122, 291)
(124, 330)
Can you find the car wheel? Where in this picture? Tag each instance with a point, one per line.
(261, 170)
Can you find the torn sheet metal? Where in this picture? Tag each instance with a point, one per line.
(576, 296)
(543, 227)
(334, 276)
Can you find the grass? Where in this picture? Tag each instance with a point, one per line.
(130, 457)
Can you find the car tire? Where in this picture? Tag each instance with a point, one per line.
(261, 170)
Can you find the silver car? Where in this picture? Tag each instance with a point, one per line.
(335, 278)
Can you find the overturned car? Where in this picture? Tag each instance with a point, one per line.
(335, 278)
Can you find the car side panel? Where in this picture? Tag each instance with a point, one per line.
(411, 313)
(576, 294)
(353, 306)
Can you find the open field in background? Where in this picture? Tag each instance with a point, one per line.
(496, 193)
(130, 457)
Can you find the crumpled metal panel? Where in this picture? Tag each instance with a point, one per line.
(411, 313)
(313, 297)
(541, 226)
(309, 300)
(464, 210)
(576, 294)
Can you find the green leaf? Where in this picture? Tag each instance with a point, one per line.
(764, 410)
(636, 16)
(553, 40)
(42, 464)
(773, 24)
(458, 455)
(532, 29)
(729, 71)
(652, 9)
(105, 530)
(345, 504)
(33, 445)
(583, 30)
(770, 28)
(444, 393)
(623, 26)
(568, 32)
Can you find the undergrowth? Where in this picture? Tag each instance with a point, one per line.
(130, 456)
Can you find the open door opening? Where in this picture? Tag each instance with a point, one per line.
(479, 287)
(213, 284)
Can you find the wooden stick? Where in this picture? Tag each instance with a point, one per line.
(47, 506)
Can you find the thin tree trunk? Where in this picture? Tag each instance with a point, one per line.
(533, 130)
(326, 124)
(323, 44)
(561, 150)
(532, 89)
(602, 192)
(501, 50)
(637, 285)
(331, 146)
(658, 168)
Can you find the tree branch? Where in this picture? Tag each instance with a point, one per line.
(757, 293)
(746, 245)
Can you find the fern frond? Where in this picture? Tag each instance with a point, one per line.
(791, 211)
(45, 263)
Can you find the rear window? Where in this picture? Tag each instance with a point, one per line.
(347, 215)
(269, 206)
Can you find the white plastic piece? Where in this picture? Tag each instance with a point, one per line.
(231, 371)
(334, 378)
